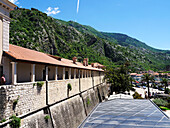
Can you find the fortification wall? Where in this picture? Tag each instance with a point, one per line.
(66, 114)
(67, 110)
(30, 98)
(86, 83)
(57, 90)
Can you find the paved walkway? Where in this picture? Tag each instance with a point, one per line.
(125, 113)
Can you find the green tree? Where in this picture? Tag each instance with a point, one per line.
(131, 80)
(147, 78)
(118, 78)
(164, 82)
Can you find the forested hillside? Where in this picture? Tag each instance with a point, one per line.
(35, 30)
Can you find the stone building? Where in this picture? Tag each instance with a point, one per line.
(24, 68)
(5, 8)
(22, 65)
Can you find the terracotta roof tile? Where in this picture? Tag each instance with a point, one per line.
(139, 75)
(156, 74)
(24, 54)
(133, 74)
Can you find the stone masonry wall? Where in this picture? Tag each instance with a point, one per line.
(58, 90)
(69, 113)
(30, 98)
(86, 83)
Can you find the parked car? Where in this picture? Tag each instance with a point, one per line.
(161, 89)
(137, 86)
(144, 87)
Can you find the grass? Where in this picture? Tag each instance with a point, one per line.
(166, 72)
(164, 108)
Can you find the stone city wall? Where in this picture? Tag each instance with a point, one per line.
(69, 113)
(58, 90)
(33, 98)
(29, 97)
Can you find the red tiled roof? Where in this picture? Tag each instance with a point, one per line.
(133, 74)
(24, 54)
(139, 75)
(155, 74)
(97, 65)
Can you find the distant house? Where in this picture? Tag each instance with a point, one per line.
(139, 77)
(97, 65)
(133, 75)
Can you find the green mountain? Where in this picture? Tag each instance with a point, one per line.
(35, 30)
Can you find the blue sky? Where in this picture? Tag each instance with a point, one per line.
(145, 20)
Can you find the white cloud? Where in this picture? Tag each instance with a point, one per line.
(56, 8)
(52, 11)
(49, 9)
(14, 1)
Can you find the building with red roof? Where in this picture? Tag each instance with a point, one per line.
(25, 65)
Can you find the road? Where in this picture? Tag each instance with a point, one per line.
(142, 91)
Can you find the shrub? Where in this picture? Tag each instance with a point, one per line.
(34, 84)
(88, 101)
(164, 108)
(40, 84)
(168, 105)
(47, 117)
(160, 102)
(69, 86)
(132, 89)
(16, 101)
(3, 120)
(16, 122)
(167, 91)
(137, 96)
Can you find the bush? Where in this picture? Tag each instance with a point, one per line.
(164, 108)
(40, 84)
(3, 120)
(16, 122)
(132, 89)
(160, 102)
(168, 105)
(137, 96)
(16, 101)
(167, 91)
(47, 117)
(88, 101)
(69, 86)
(34, 84)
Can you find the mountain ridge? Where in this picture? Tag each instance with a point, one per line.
(35, 30)
(105, 34)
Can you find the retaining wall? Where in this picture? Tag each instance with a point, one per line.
(66, 110)
(30, 98)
